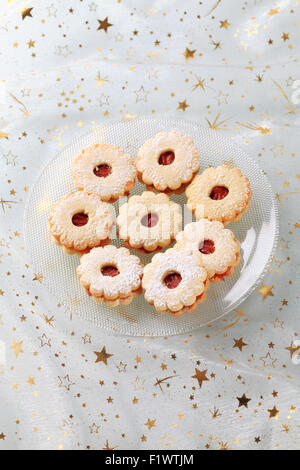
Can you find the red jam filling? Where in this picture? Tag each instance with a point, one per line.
(218, 193)
(207, 247)
(149, 220)
(103, 170)
(80, 219)
(172, 280)
(166, 158)
(110, 270)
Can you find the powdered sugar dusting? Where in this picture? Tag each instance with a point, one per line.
(115, 184)
(226, 246)
(192, 283)
(128, 280)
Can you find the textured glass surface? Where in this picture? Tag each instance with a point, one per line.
(257, 231)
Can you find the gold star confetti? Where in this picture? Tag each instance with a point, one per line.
(150, 423)
(266, 291)
(26, 13)
(182, 105)
(104, 24)
(102, 356)
(273, 413)
(2, 437)
(243, 401)
(17, 348)
(200, 376)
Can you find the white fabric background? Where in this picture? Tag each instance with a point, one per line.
(60, 76)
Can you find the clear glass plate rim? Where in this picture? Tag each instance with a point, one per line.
(176, 121)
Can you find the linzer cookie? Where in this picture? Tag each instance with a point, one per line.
(80, 221)
(220, 193)
(218, 248)
(175, 282)
(111, 275)
(105, 170)
(149, 222)
(168, 161)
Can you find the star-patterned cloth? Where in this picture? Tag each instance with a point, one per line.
(231, 66)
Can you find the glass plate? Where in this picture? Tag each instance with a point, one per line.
(257, 231)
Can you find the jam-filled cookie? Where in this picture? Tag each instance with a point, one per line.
(168, 161)
(149, 222)
(175, 282)
(220, 193)
(218, 248)
(111, 275)
(80, 221)
(105, 170)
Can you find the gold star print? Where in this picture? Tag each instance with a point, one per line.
(2, 437)
(265, 291)
(273, 12)
(31, 381)
(182, 105)
(225, 24)
(3, 202)
(100, 80)
(273, 413)
(102, 356)
(293, 349)
(26, 12)
(49, 320)
(107, 446)
(104, 24)
(216, 125)
(38, 277)
(199, 84)
(17, 348)
(150, 423)
(215, 413)
(239, 343)
(143, 438)
(243, 401)
(285, 36)
(189, 54)
(285, 428)
(31, 43)
(200, 376)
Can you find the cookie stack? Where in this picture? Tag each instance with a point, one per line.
(176, 280)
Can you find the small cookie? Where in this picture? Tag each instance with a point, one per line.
(220, 193)
(80, 221)
(168, 160)
(218, 248)
(111, 275)
(175, 282)
(149, 222)
(105, 170)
